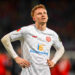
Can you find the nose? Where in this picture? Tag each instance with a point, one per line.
(43, 14)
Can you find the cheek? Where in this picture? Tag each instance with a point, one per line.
(47, 17)
(34, 18)
(37, 18)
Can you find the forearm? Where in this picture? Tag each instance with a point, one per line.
(58, 54)
(7, 44)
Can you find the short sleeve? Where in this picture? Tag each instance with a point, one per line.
(56, 41)
(16, 35)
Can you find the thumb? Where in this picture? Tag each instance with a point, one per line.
(48, 60)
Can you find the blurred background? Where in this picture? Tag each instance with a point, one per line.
(16, 13)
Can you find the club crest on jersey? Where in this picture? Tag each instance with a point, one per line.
(18, 29)
(48, 38)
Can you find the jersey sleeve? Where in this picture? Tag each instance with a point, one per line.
(59, 49)
(56, 41)
(15, 35)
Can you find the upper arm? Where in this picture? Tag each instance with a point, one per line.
(18, 34)
(12, 36)
(15, 35)
(57, 42)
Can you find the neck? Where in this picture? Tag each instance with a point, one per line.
(41, 26)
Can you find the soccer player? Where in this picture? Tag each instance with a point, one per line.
(36, 42)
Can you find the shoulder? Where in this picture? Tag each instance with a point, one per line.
(24, 29)
(29, 27)
(52, 32)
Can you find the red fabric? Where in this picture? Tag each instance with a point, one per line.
(3, 62)
(62, 68)
(18, 30)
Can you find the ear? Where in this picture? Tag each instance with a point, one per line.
(33, 18)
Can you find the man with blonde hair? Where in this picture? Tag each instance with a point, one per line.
(36, 42)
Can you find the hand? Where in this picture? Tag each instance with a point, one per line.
(22, 62)
(50, 63)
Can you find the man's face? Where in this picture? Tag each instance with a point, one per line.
(40, 15)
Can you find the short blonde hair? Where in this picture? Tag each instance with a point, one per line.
(36, 7)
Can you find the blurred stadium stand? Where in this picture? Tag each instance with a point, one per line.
(16, 13)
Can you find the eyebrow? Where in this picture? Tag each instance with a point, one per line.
(40, 12)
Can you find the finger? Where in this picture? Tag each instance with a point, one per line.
(48, 61)
(27, 63)
(49, 64)
(21, 65)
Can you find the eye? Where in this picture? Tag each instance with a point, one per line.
(39, 14)
(45, 12)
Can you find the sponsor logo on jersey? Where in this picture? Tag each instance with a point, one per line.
(38, 52)
(40, 49)
(18, 29)
(48, 38)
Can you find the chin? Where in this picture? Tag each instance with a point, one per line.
(42, 23)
